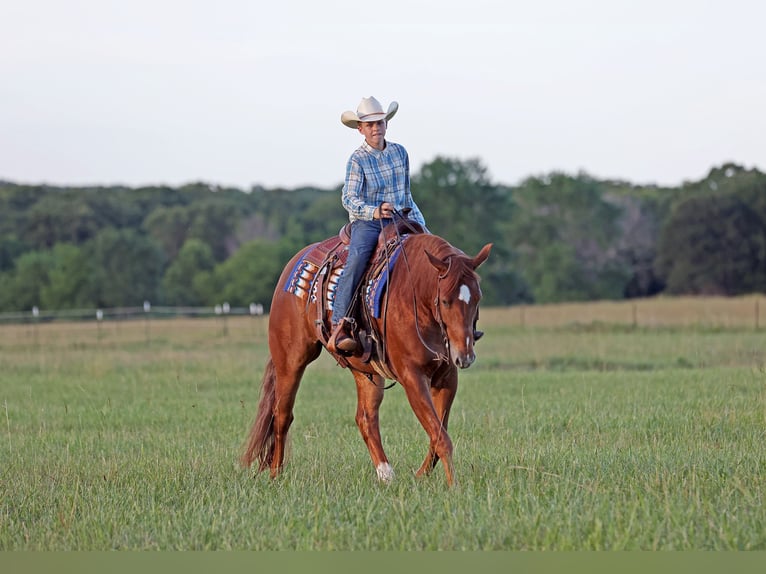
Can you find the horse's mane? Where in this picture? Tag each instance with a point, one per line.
(460, 271)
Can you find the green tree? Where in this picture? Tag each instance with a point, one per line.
(323, 218)
(461, 204)
(169, 227)
(127, 268)
(60, 218)
(565, 232)
(69, 278)
(10, 249)
(180, 285)
(16, 202)
(21, 287)
(713, 245)
(636, 242)
(248, 276)
(215, 223)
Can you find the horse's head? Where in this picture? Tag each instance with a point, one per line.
(457, 302)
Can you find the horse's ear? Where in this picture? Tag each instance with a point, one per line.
(482, 256)
(442, 266)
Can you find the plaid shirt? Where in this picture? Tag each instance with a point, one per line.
(374, 176)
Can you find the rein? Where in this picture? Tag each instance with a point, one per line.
(437, 356)
(385, 303)
(437, 299)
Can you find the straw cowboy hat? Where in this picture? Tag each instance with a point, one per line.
(369, 110)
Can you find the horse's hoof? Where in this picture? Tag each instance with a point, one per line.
(385, 473)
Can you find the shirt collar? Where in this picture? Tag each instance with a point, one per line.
(369, 149)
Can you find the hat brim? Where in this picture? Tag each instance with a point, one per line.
(351, 120)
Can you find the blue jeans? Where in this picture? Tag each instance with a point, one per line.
(364, 238)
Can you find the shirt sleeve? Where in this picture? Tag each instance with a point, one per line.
(415, 214)
(353, 192)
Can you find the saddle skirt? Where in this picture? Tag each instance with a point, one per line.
(314, 278)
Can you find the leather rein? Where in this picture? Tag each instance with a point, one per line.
(439, 357)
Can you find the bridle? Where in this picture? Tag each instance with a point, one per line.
(438, 356)
(437, 310)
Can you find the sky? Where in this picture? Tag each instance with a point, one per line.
(249, 93)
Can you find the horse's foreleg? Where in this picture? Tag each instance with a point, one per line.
(443, 391)
(418, 395)
(369, 394)
(443, 394)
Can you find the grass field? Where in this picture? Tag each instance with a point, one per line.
(568, 434)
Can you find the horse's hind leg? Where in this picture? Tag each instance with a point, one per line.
(288, 377)
(260, 442)
(291, 352)
(369, 394)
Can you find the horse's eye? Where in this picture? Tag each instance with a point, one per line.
(445, 302)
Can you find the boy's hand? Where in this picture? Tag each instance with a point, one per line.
(384, 211)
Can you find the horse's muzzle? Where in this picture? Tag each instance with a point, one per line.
(463, 361)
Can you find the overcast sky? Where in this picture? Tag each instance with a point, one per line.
(250, 92)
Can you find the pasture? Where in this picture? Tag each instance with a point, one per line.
(578, 432)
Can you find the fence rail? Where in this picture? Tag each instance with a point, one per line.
(147, 311)
(709, 312)
(744, 312)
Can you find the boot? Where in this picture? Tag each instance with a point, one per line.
(341, 341)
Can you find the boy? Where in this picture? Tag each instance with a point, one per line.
(377, 184)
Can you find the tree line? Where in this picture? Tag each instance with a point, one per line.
(557, 237)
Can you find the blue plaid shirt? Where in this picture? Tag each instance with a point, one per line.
(374, 176)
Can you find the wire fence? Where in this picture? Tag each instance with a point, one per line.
(154, 324)
(744, 312)
(122, 313)
(147, 324)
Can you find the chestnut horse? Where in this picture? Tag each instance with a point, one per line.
(427, 327)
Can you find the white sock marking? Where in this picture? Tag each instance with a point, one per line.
(385, 472)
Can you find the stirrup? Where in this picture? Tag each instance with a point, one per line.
(341, 341)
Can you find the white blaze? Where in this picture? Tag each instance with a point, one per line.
(465, 294)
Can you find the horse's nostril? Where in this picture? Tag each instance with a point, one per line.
(463, 362)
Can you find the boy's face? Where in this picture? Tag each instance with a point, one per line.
(374, 133)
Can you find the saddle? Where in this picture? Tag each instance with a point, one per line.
(315, 279)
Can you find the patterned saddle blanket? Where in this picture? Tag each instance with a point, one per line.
(315, 276)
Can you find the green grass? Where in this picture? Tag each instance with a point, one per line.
(565, 438)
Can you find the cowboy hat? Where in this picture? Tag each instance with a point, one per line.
(369, 110)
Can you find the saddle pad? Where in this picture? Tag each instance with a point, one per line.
(377, 282)
(302, 278)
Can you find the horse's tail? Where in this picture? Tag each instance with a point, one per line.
(260, 443)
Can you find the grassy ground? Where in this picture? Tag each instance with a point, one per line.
(576, 436)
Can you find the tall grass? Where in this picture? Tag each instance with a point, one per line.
(583, 436)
